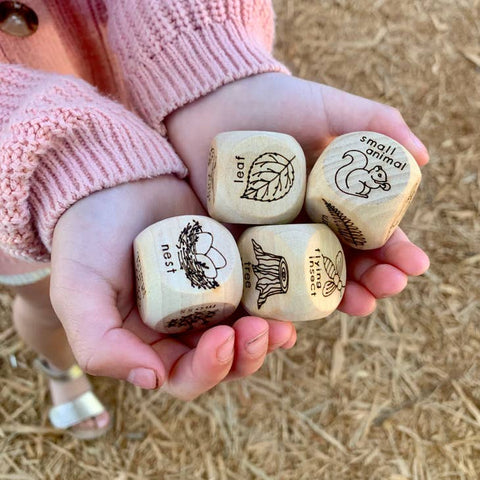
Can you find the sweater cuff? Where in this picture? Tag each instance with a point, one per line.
(166, 71)
(62, 142)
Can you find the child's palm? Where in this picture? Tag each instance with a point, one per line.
(314, 114)
(92, 291)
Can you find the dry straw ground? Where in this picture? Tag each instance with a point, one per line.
(394, 396)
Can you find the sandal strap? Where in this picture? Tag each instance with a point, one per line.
(71, 413)
(71, 373)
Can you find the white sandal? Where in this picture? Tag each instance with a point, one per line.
(68, 414)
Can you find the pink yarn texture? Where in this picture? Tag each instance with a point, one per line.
(82, 101)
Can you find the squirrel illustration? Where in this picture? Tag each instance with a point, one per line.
(353, 178)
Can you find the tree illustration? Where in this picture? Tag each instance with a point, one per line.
(271, 272)
(346, 228)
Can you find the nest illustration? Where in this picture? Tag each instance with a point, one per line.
(198, 258)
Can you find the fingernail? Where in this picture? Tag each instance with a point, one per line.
(423, 263)
(102, 421)
(143, 378)
(257, 345)
(292, 335)
(225, 350)
(418, 143)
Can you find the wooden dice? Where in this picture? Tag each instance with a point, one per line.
(255, 178)
(361, 187)
(188, 274)
(292, 272)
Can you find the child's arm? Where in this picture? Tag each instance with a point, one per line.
(60, 141)
(81, 168)
(174, 52)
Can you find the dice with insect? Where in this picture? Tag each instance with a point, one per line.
(188, 274)
(361, 187)
(255, 178)
(292, 272)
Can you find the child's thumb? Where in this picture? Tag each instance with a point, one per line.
(347, 113)
(99, 343)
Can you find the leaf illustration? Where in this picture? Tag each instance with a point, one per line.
(346, 228)
(270, 178)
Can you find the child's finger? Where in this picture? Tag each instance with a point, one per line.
(281, 335)
(101, 346)
(349, 113)
(357, 300)
(400, 252)
(384, 280)
(381, 279)
(251, 346)
(358, 264)
(134, 324)
(291, 341)
(193, 372)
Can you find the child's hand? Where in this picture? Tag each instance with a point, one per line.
(313, 114)
(93, 293)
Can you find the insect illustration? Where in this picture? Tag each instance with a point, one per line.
(333, 271)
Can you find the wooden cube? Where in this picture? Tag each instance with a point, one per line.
(188, 274)
(255, 178)
(292, 272)
(361, 187)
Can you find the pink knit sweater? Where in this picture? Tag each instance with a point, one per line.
(83, 99)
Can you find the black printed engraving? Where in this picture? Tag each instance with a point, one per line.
(212, 165)
(199, 259)
(271, 272)
(346, 228)
(270, 178)
(333, 271)
(140, 282)
(192, 321)
(353, 177)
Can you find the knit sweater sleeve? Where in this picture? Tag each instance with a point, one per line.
(60, 140)
(175, 51)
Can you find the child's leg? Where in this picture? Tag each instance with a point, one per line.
(39, 327)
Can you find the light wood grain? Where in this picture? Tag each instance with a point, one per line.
(361, 186)
(188, 274)
(255, 178)
(292, 272)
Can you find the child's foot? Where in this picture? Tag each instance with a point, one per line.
(65, 391)
(39, 327)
